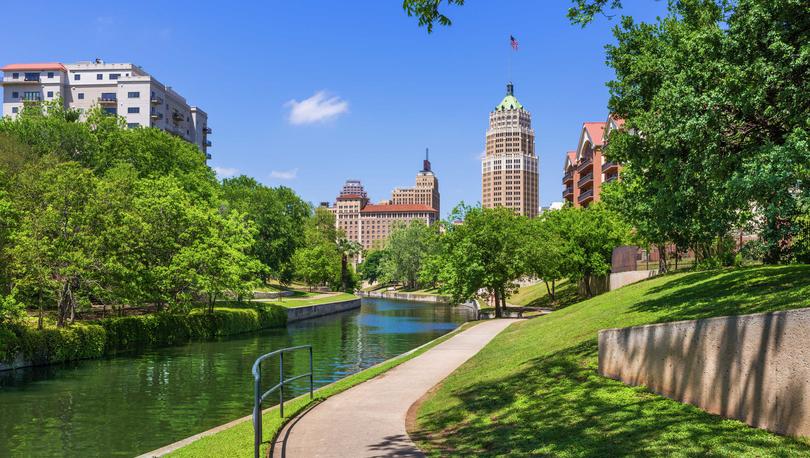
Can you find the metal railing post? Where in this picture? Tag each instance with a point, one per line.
(257, 414)
(311, 372)
(281, 380)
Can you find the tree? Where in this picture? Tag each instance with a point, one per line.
(543, 251)
(348, 249)
(591, 234)
(318, 263)
(370, 269)
(406, 248)
(279, 215)
(483, 253)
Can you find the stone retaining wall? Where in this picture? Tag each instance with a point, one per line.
(313, 311)
(755, 368)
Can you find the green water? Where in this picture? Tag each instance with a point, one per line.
(129, 405)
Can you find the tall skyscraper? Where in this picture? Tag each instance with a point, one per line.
(509, 174)
(426, 191)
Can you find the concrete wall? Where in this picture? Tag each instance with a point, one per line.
(430, 298)
(620, 279)
(313, 311)
(755, 368)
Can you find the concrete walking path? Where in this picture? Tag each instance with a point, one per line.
(368, 420)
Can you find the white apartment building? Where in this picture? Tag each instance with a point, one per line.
(121, 89)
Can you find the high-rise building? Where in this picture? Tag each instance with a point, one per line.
(509, 174)
(121, 89)
(426, 191)
(586, 169)
(370, 224)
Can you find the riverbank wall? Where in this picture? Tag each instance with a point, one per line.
(429, 298)
(314, 311)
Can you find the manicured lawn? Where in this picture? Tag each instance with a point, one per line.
(534, 390)
(537, 296)
(238, 440)
(308, 299)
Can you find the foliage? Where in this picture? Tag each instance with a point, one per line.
(483, 253)
(51, 344)
(317, 263)
(544, 250)
(715, 102)
(539, 379)
(428, 12)
(406, 248)
(279, 215)
(370, 269)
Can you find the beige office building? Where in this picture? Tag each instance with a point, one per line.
(121, 89)
(509, 172)
(370, 224)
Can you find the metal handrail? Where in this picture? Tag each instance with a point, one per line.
(259, 396)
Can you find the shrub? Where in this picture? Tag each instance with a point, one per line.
(51, 345)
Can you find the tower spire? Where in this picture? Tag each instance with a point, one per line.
(426, 162)
(510, 89)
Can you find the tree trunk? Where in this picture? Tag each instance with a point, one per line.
(498, 312)
(587, 280)
(662, 259)
(344, 272)
(548, 290)
(503, 300)
(554, 290)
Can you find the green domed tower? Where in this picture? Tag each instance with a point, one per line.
(509, 172)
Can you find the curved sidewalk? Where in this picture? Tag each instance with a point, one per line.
(369, 419)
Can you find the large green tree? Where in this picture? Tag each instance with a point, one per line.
(406, 248)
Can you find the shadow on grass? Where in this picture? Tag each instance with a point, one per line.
(733, 292)
(559, 406)
(565, 295)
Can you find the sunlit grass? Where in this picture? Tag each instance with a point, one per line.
(535, 391)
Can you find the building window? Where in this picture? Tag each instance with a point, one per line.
(33, 76)
(77, 77)
(35, 96)
(99, 76)
(15, 75)
(15, 95)
(108, 96)
(14, 109)
(81, 95)
(115, 76)
(50, 94)
(133, 125)
(133, 110)
(134, 95)
(50, 74)
(111, 110)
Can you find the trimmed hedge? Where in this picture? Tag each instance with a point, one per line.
(117, 335)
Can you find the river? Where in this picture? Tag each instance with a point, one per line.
(128, 405)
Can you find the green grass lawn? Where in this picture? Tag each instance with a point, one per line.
(303, 299)
(537, 296)
(237, 441)
(534, 390)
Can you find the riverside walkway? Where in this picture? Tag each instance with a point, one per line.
(369, 419)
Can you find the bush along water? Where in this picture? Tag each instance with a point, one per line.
(109, 336)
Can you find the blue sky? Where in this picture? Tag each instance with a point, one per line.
(309, 93)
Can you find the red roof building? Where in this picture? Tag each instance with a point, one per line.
(586, 169)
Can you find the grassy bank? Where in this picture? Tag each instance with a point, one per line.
(534, 390)
(238, 440)
(115, 335)
(308, 299)
(537, 295)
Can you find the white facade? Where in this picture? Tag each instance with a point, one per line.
(123, 89)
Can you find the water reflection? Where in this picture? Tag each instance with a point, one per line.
(129, 405)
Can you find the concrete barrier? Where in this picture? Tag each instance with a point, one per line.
(429, 298)
(314, 311)
(619, 279)
(272, 295)
(755, 368)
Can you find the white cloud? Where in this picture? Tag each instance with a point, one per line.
(226, 172)
(284, 174)
(318, 108)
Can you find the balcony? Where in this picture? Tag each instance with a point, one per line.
(208, 156)
(155, 115)
(568, 192)
(585, 197)
(610, 178)
(610, 166)
(208, 143)
(207, 130)
(107, 99)
(569, 176)
(585, 164)
(177, 117)
(586, 180)
(156, 100)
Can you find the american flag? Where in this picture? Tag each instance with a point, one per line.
(513, 42)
